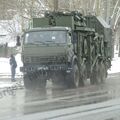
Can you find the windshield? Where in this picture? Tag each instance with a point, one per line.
(46, 37)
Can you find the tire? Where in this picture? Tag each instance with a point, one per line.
(41, 82)
(83, 76)
(34, 81)
(99, 74)
(94, 77)
(102, 72)
(58, 80)
(29, 82)
(74, 78)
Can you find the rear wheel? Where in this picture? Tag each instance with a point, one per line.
(99, 74)
(83, 75)
(102, 72)
(94, 77)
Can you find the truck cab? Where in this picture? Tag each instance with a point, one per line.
(46, 52)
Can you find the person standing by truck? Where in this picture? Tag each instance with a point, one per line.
(13, 65)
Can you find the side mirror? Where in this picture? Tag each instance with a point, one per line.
(18, 43)
(69, 33)
(69, 44)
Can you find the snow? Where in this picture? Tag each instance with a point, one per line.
(115, 68)
(11, 44)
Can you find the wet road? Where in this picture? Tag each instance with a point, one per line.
(22, 102)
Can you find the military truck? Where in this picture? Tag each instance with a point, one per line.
(68, 48)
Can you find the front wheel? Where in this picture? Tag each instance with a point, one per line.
(34, 81)
(58, 80)
(29, 82)
(74, 77)
(41, 82)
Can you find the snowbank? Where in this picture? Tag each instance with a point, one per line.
(115, 68)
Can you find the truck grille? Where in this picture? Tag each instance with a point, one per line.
(47, 59)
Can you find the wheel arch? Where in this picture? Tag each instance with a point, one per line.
(74, 60)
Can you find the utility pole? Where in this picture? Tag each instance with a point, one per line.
(119, 47)
(55, 5)
(89, 6)
(3, 9)
(108, 19)
(107, 10)
(32, 8)
(98, 7)
(70, 5)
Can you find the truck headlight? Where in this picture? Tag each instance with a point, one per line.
(26, 59)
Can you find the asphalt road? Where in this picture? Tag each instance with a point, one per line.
(19, 103)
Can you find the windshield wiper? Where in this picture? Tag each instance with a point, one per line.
(30, 43)
(50, 41)
(39, 42)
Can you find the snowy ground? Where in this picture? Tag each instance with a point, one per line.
(115, 68)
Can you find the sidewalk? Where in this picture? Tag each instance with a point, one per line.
(6, 82)
(8, 75)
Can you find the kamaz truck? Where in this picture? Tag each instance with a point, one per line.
(68, 48)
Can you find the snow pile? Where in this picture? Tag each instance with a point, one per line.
(115, 68)
(12, 44)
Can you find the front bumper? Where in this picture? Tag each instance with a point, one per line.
(33, 68)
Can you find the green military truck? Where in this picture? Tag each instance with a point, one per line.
(67, 48)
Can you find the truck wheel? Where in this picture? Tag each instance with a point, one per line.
(99, 74)
(74, 77)
(41, 81)
(83, 76)
(102, 72)
(58, 80)
(94, 77)
(29, 82)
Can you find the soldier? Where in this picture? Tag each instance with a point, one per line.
(13, 65)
